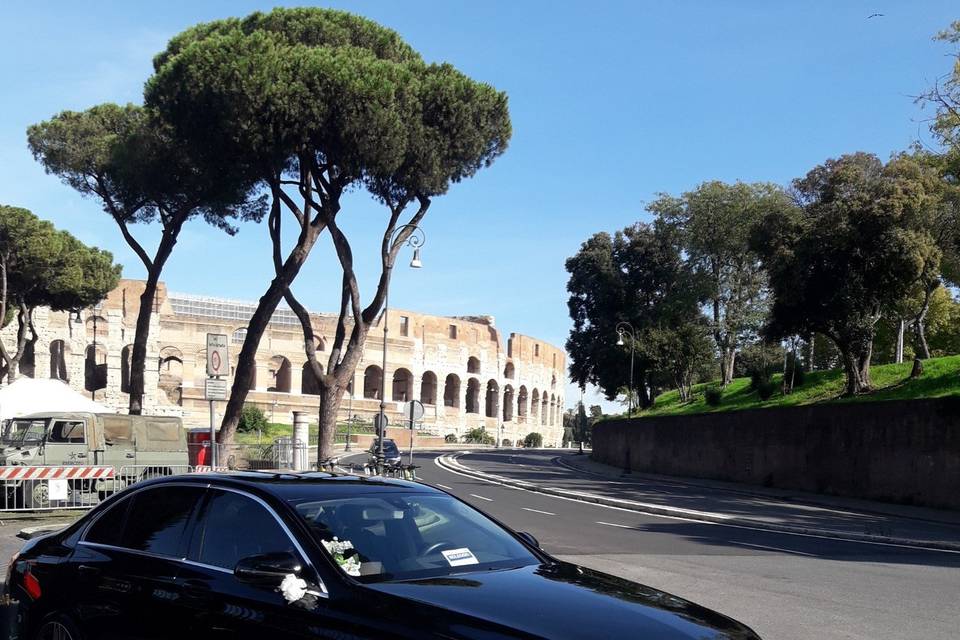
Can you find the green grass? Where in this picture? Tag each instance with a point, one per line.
(941, 377)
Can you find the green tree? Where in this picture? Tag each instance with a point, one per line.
(638, 275)
(129, 160)
(316, 103)
(40, 266)
(534, 440)
(715, 222)
(852, 249)
(252, 418)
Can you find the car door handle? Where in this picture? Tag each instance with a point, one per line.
(80, 455)
(86, 571)
(196, 587)
(130, 454)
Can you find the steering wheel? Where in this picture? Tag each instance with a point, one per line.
(436, 546)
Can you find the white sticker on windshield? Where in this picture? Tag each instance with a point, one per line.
(459, 557)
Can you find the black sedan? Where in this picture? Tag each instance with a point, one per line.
(261, 555)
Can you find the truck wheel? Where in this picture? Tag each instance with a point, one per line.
(36, 498)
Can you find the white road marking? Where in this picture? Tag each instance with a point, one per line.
(613, 524)
(765, 547)
(703, 522)
(481, 497)
(445, 487)
(546, 513)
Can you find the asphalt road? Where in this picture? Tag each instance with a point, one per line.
(785, 586)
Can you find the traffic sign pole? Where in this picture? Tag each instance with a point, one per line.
(218, 364)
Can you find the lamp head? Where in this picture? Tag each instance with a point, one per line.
(416, 263)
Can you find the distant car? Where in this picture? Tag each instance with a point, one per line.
(315, 555)
(391, 452)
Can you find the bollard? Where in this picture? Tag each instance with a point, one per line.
(301, 438)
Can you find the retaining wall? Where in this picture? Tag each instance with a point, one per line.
(897, 451)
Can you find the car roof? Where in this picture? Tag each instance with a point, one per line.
(289, 485)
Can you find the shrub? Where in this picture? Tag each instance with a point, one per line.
(713, 396)
(765, 389)
(506, 443)
(533, 440)
(252, 418)
(450, 438)
(479, 436)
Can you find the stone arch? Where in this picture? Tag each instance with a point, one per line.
(28, 361)
(171, 373)
(508, 403)
(280, 374)
(451, 391)
(509, 371)
(126, 355)
(553, 410)
(95, 367)
(534, 406)
(473, 396)
(473, 364)
(309, 385)
(402, 389)
(522, 400)
(97, 328)
(553, 381)
(428, 388)
(59, 350)
(372, 377)
(544, 408)
(492, 399)
(238, 336)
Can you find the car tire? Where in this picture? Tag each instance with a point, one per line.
(57, 626)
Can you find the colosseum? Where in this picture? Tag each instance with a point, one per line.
(460, 367)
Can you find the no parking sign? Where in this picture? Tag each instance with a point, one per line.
(218, 363)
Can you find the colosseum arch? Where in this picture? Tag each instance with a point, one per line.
(553, 410)
(522, 400)
(428, 388)
(534, 406)
(492, 399)
(126, 355)
(451, 391)
(402, 390)
(473, 365)
(372, 376)
(508, 403)
(28, 361)
(309, 385)
(509, 371)
(59, 351)
(97, 328)
(473, 396)
(280, 374)
(544, 408)
(95, 367)
(171, 373)
(238, 336)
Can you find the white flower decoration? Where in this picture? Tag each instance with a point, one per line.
(293, 588)
(338, 548)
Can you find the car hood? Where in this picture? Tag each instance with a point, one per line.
(563, 601)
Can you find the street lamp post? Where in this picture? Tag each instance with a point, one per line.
(627, 328)
(415, 240)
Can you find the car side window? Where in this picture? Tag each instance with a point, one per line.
(108, 527)
(158, 519)
(234, 526)
(67, 431)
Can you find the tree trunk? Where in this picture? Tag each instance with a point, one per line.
(138, 360)
(923, 349)
(246, 363)
(856, 365)
(811, 353)
(898, 356)
(727, 360)
(13, 361)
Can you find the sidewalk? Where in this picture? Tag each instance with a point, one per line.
(578, 477)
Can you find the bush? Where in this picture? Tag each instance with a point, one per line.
(533, 440)
(506, 443)
(450, 438)
(713, 396)
(252, 418)
(479, 436)
(765, 389)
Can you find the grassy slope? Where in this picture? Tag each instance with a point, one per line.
(941, 377)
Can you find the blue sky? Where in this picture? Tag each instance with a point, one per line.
(611, 103)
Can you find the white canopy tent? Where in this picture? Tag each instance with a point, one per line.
(28, 395)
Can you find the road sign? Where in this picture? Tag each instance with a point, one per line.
(218, 362)
(215, 389)
(413, 411)
(376, 423)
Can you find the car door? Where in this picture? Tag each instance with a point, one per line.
(66, 443)
(234, 525)
(127, 564)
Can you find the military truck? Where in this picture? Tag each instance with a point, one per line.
(138, 447)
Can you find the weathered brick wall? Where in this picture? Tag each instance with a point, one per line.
(896, 451)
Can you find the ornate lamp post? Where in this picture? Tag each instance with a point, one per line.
(416, 240)
(625, 328)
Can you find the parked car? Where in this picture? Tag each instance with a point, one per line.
(138, 447)
(391, 453)
(270, 555)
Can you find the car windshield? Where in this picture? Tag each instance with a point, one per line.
(21, 431)
(389, 447)
(399, 536)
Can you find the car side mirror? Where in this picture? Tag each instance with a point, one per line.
(529, 539)
(267, 569)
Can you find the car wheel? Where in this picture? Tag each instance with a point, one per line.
(58, 627)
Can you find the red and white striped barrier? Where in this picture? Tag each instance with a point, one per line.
(48, 473)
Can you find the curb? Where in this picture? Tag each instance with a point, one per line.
(450, 463)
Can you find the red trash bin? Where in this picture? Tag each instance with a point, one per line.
(198, 443)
